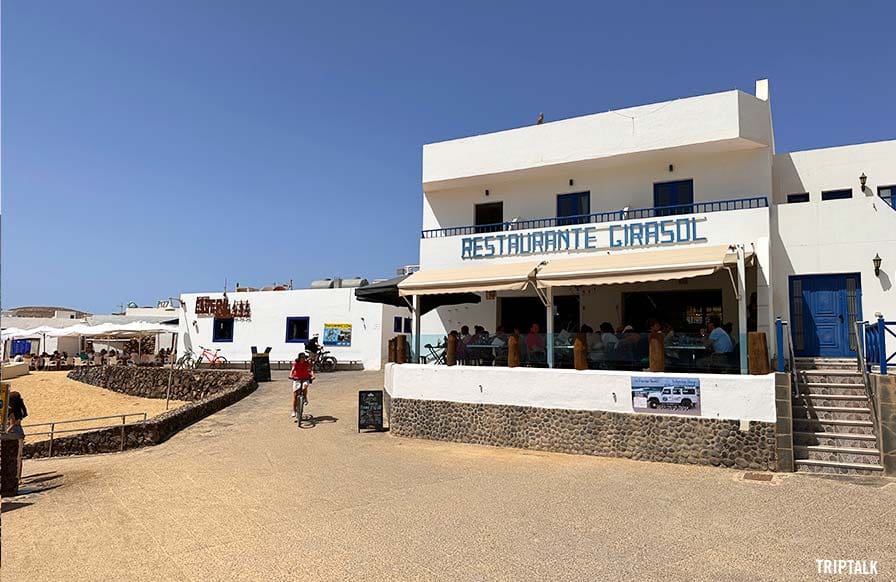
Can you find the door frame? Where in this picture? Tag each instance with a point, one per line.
(849, 338)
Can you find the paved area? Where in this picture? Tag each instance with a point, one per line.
(245, 495)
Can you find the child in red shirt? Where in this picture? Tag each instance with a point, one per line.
(301, 375)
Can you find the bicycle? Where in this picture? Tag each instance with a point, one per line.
(211, 357)
(299, 408)
(322, 361)
(186, 361)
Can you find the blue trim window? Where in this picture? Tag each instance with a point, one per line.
(837, 194)
(222, 329)
(673, 197)
(297, 329)
(407, 325)
(573, 208)
(888, 194)
(795, 198)
(396, 324)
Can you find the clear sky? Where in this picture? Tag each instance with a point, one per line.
(156, 147)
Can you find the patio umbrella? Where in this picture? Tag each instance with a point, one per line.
(386, 292)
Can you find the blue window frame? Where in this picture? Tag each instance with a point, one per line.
(297, 329)
(575, 206)
(794, 198)
(837, 194)
(222, 329)
(407, 325)
(396, 324)
(673, 197)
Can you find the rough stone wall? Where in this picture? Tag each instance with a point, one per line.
(647, 437)
(229, 387)
(146, 382)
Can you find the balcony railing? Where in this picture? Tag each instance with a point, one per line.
(611, 216)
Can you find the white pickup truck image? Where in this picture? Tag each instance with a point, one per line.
(674, 396)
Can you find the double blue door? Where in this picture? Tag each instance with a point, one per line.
(823, 312)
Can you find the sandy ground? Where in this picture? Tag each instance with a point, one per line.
(51, 396)
(246, 495)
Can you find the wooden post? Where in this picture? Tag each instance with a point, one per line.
(757, 353)
(401, 350)
(657, 352)
(391, 356)
(451, 350)
(580, 352)
(513, 350)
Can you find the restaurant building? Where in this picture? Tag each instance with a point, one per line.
(284, 319)
(676, 212)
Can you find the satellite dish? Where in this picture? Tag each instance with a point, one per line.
(132, 304)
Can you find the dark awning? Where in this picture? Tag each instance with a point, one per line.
(387, 292)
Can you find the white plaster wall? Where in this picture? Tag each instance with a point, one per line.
(836, 236)
(722, 396)
(672, 124)
(627, 183)
(267, 327)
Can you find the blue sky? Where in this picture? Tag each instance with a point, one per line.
(154, 148)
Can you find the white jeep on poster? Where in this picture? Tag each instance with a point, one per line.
(666, 395)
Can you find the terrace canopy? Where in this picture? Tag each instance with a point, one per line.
(473, 279)
(386, 292)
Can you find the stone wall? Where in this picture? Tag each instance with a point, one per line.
(147, 382)
(648, 437)
(209, 392)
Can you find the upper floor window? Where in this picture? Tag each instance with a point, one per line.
(887, 191)
(673, 197)
(222, 329)
(488, 217)
(297, 329)
(396, 324)
(794, 198)
(837, 194)
(573, 208)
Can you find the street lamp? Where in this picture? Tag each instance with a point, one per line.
(862, 179)
(876, 260)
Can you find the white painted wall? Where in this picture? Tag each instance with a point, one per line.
(693, 121)
(836, 236)
(722, 396)
(371, 324)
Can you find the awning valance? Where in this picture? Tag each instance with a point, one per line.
(473, 279)
(636, 267)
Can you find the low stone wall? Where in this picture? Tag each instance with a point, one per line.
(147, 382)
(208, 391)
(648, 437)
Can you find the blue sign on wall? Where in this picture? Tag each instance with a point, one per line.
(579, 238)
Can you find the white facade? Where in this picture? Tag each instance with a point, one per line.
(371, 324)
(724, 144)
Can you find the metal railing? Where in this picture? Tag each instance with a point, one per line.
(53, 432)
(599, 217)
(876, 344)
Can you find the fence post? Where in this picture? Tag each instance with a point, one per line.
(779, 341)
(52, 430)
(123, 422)
(882, 343)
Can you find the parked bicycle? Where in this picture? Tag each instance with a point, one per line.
(211, 357)
(323, 361)
(186, 361)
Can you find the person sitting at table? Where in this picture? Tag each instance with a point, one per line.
(718, 341)
(535, 344)
(607, 337)
(595, 346)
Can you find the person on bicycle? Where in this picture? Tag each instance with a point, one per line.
(301, 375)
(313, 347)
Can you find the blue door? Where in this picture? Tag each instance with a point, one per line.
(673, 197)
(823, 313)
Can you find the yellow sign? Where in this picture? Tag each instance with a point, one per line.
(338, 334)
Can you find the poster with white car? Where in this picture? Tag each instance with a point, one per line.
(666, 395)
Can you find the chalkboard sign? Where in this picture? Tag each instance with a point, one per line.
(370, 409)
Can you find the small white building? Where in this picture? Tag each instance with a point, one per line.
(353, 331)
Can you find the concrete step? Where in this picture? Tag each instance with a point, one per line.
(835, 439)
(852, 427)
(816, 400)
(827, 363)
(837, 449)
(845, 388)
(827, 413)
(831, 373)
(834, 467)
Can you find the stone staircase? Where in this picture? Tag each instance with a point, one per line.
(833, 422)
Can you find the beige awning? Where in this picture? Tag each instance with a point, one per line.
(636, 267)
(474, 279)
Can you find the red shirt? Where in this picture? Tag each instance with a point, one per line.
(301, 370)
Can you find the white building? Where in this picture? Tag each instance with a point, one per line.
(662, 181)
(353, 331)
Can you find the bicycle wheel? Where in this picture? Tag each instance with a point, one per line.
(328, 364)
(219, 361)
(300, 409)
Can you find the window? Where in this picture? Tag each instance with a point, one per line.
(795, 198)
(673, 197)
(888, 193)
(575, 206)
(489, 217)
(222, 329)
(396, 324)
(297, 329)
(407, 325)
(836, 194)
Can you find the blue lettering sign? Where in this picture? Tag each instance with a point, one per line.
(614, 242)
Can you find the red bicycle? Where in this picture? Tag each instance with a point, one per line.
(211, 357)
